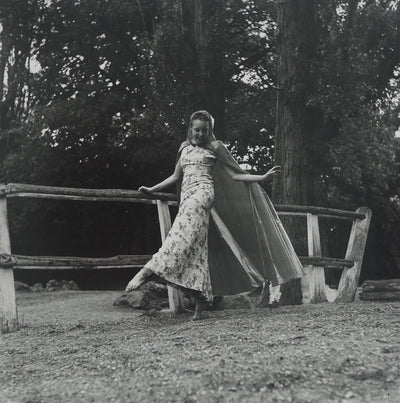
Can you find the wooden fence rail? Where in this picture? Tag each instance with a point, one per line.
(123, 261)
(313, 284)
(62, 193)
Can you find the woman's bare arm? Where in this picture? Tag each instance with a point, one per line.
(166, 182)
(253, 178)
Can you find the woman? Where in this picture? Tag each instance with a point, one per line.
(230, 253)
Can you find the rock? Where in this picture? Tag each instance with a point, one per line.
(154, 295)
(37, 287)
(54, 285)
(135, 299)
(69, 285)
(156, 289)
(73, 286)
(149, 296)
(20, 286)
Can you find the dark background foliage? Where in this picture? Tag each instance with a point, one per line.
(97, 93)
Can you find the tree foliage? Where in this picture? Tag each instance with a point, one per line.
(93, 92)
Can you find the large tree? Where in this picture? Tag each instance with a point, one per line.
(93, 91)
(297, 123)
(113, 85)
(335, 107)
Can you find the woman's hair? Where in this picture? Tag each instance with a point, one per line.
(205, 117)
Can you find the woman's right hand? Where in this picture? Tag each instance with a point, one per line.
(145, 189)
(273, 171)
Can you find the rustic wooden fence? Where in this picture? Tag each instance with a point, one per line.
(313, 284)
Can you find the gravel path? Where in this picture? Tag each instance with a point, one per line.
(76, 346)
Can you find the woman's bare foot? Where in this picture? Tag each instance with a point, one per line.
(138, 280)
(201, 305)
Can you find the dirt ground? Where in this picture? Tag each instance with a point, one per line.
(75, 346)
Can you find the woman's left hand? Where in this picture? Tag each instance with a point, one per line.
(273, 171)
(145, 189)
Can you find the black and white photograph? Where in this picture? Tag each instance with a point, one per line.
(199, 201)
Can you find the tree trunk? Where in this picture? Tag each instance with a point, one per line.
(200, 19)
(297, 121)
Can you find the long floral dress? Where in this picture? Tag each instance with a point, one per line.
(183, 257)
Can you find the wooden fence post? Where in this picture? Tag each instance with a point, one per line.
(313, 283)
(8, 308)
(355, 252)
(175, 296)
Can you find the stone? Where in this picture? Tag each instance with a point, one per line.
(20, 286)
(150, 295)
(153, 295)
(156, 289)
(73, 286)
(135, 299)
(37, 287)
(54, 285)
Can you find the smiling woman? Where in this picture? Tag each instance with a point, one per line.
(241, 247)
(199, 132)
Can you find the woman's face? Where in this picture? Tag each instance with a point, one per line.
(199, 132)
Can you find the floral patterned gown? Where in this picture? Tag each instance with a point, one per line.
(183, 257)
